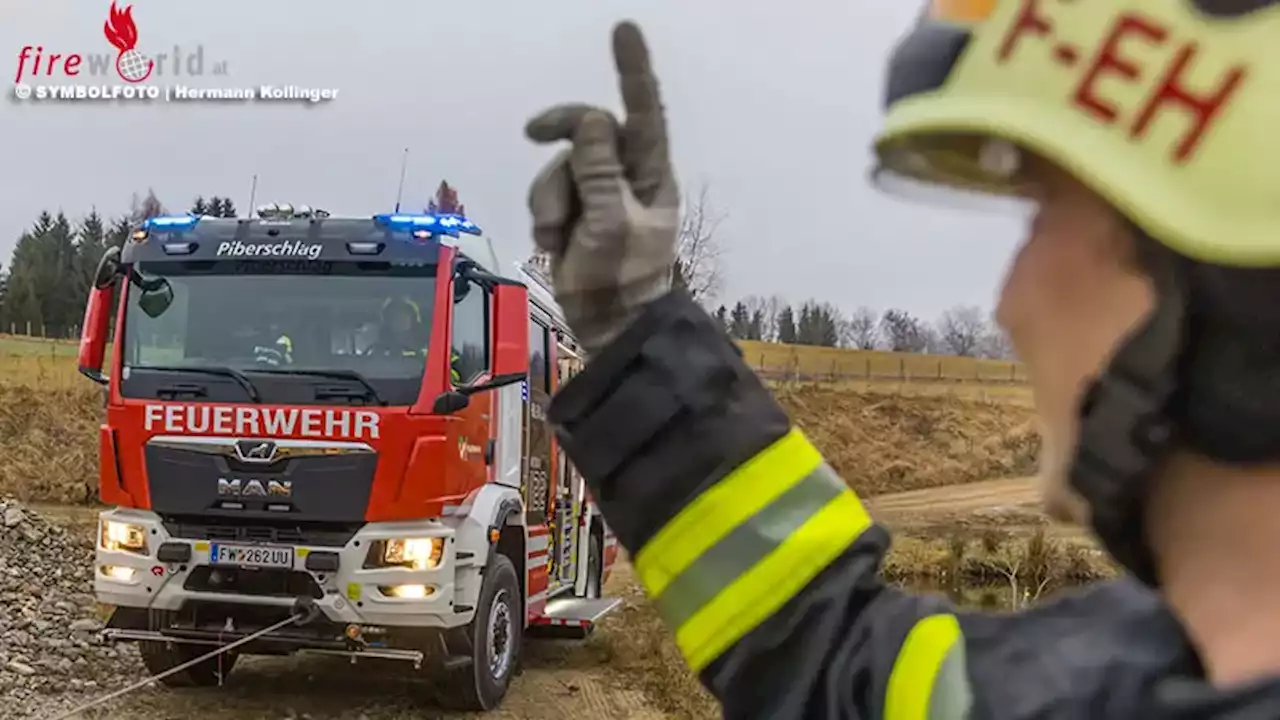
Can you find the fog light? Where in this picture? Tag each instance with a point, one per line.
(416, 553)
(115, 572)
(407, 592)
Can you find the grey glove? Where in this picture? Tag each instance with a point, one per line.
(606, 210)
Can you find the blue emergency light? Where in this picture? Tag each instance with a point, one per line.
(172, 223)
(431, 223)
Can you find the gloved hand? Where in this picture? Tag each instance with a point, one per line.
(606, 210)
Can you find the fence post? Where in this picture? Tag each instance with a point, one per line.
(834, 374)
(28, 328)
(1013, 372)
(939, 368)
(868, 368)
(902, 369)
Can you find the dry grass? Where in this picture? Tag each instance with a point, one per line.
(891, 443)
(49, 417)
(882, 435)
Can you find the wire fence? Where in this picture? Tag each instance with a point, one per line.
(776, 361)
(772, 361)
(39, 330)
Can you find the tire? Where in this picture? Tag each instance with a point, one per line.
(159, 657)
(496, 639)
(595, 567)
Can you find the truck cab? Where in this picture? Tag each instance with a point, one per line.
(330, 433)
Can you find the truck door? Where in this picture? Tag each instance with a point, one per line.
(566, 501)
(537, 435)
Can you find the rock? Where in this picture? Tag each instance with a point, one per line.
(85, 625)
(13, 516)
(51, 654)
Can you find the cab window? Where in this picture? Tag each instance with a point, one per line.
(539, 369)
(470, 350)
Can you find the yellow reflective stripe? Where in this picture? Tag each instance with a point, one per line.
(726, 505)
(912, 682)
(760, 592)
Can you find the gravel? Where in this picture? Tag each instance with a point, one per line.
(51, 652)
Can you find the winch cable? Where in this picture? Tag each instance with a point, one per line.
(303, 612)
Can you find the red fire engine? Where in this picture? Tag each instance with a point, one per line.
(347, 413)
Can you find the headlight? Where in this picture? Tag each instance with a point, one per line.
(123, 536)
(416, 553)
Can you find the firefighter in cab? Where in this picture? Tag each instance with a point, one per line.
(401, 333)
(1144, 301)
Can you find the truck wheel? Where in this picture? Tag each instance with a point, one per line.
(496, 637)
(161, 657)
(595, 568)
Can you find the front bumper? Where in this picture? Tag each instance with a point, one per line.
(349, 594)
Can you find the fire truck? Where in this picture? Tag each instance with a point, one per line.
(346, 414)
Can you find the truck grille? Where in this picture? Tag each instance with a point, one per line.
(320, 534)
(262, 582)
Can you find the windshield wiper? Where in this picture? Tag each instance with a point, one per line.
(236, 375)
(351, 375)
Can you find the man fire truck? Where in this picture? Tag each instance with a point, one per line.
(405, 506)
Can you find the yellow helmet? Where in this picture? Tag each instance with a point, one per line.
(1166, 108)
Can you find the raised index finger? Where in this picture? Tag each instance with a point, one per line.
(644, 138)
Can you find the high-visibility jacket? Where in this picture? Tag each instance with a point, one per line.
(766, 567)
(276, 354)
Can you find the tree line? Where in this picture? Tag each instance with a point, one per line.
(46, 283)
(964, 330)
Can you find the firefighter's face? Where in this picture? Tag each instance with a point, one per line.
(1071, 293)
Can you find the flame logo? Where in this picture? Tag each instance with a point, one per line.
(122, 33)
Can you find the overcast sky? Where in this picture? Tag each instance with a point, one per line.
(773, 105)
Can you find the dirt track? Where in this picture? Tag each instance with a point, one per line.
(559, 681)
(1013, 495)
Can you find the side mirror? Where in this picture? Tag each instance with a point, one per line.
(450, 402)
(93, 334)
(108, 268)
(510, 331)
(156, 298)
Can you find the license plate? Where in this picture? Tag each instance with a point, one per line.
(251, 556)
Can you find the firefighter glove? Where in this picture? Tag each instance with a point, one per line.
(606, 210)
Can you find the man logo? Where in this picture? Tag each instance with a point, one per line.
(256, 451)
(266, 489)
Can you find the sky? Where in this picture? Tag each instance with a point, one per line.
(773, 107)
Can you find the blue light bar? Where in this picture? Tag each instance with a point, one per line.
(434, 224)
(171, 223)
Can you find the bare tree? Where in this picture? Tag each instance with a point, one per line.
(961, 330)
(772, 307)
(903, 332)
(995, 343)
(698, 257)
(859, 330)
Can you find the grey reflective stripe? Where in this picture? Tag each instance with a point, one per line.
(952, 696)
(746, 545)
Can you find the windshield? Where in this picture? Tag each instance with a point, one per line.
(328, 332)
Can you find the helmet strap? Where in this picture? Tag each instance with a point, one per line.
(1128, 421)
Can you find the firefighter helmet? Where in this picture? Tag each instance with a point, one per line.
(1163, 108)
